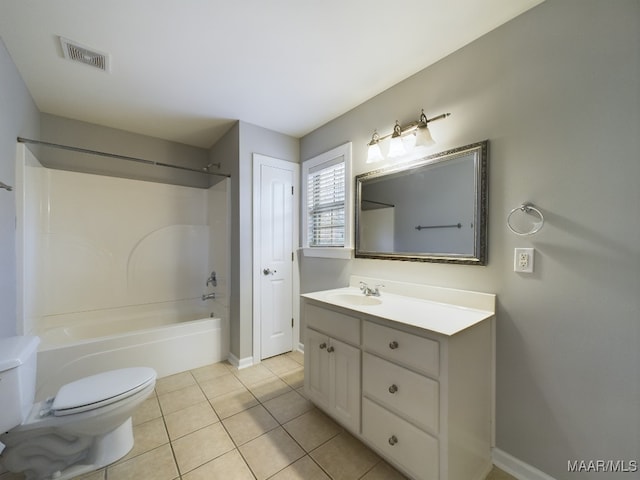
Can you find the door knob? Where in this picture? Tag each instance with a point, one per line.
(268, 271)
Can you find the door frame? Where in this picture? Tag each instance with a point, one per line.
(258, 161)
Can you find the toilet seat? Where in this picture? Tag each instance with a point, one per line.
(100, 390)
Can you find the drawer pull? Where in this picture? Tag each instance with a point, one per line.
(393, 345)
(393, 388)
(323, 346)
(393, 440)
(330, 349)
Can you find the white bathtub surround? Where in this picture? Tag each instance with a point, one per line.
(102, 257)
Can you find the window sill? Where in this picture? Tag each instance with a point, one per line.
(344, 253)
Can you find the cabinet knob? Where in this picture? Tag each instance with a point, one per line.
(393, 440)
(330, 349)
(393, 388)
(323, 345)
(393, 345)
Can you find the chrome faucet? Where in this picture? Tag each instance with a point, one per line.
(212, 279)
(208, 296)
(370, 292)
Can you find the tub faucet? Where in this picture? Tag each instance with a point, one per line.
(208, 296)
(212, 279)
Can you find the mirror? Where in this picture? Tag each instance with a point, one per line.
(432, 210)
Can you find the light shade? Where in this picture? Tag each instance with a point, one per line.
(374, 154)
(423, 137)
(396, 147)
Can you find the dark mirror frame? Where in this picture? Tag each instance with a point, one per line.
(480, 151)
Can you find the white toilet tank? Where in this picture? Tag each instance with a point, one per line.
(18, 362)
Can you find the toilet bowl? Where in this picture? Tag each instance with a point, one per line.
(85, 426)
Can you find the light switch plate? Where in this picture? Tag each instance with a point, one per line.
(523, 260)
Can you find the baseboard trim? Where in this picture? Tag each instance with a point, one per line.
(301, 347)
(240, 363)
(516, 467)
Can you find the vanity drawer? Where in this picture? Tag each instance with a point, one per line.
(335, 324)
(419, 353)
(408, 393)
(402, 442)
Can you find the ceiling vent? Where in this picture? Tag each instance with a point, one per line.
(79, 53)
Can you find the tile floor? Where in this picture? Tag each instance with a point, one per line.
(217, 422)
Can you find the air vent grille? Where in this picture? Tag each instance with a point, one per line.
(79, 53)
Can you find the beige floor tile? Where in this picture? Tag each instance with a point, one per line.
(148, 410)
(497, 474)
(249, 424)
(383, 471)
(254, 374)
(294, 378)
(232, 403)
(199, 447)
(312, 429)
(288, 406)
(297, 356)
(179, 399)
(190, 419)
(303, 469)
(157, 464)
(97, 475)
(174, 382)
(270, 453)
(148, 436)
(281, 364)
(344, 457)
(221, 385)
(209, 372)
(268, 389)
(229, 466)
(11, 476)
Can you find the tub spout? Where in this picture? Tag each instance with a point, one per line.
(208, 296)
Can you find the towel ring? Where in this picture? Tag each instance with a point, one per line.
(529, 209)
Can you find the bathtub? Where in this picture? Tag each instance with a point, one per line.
(171, 337)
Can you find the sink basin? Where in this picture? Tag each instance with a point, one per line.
(354, 299)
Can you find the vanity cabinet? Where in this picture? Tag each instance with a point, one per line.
(421, 399)
(332, 366)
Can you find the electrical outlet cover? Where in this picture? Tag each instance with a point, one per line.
(523, 260)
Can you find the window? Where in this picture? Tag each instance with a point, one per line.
(327, 204)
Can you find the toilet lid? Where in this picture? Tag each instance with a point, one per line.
(102, 389)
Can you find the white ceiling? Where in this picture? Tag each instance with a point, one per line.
(184, 70)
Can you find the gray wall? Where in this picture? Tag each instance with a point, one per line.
(19, 116)
(557, 93)
(89, 136)
(235, 152)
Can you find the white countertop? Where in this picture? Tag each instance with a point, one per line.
(443, 318)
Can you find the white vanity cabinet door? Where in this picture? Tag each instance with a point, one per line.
(407, 393)
(316, 368)
(416, 451)
(344, 367)
(332, 377)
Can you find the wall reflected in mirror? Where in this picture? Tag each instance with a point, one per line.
(432, 210)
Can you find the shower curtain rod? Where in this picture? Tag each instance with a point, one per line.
(121, 157)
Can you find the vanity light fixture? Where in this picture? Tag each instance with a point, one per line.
(403, 139)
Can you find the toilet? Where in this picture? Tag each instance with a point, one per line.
(84, 427)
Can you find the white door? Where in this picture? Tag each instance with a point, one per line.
(274, 221)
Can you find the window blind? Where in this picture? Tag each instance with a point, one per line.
(325, 204)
